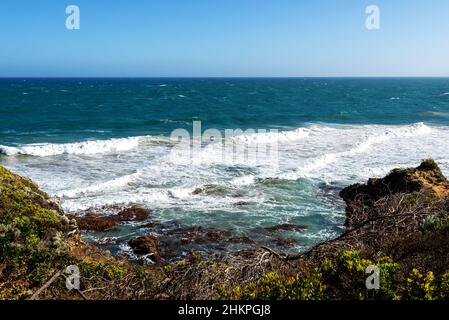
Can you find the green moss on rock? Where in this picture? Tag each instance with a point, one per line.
(31, 226)
(36, 241)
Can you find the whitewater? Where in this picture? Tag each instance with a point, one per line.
(314, 163)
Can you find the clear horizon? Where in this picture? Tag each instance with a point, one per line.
(227, 77)
(224, 39)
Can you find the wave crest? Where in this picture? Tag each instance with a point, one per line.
(116, 183)
(77, 148)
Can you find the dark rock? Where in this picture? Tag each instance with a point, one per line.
(198, 234)
(361, 197)
(209, 189)
(149, 225)
(286, 227)
(240, 203)
(134, 213)
(215, 235)
(197, 191)
(427, 175)
(201, 235)
(94, 220)
(286, 242)
(146, 245)
(241, 239)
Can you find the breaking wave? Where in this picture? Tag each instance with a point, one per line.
(114, 145)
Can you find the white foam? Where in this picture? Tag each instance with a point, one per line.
(329, 157)
(243, 181)
(319, 163)
(383, 137)
(114, 145)
(116, 183)
(331, 153)
(271, 136)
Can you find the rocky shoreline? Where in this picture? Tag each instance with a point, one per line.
(399, 223)
(159, 242)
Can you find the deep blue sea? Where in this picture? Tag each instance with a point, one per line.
(97, 142)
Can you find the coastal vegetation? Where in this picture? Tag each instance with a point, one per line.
(37, 241)
(399, 224)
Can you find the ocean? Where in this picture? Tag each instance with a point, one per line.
(99, 142)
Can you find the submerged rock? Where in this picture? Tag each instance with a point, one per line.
(209, 189)
(286, 242)
(202, 235)
(286, 227)
(241, 203)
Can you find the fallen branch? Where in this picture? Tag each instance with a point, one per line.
(46, 285)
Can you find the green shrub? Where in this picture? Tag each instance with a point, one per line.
(342, 278)
(443, 290)
(420, 286)
(434, 223)
(272, 286)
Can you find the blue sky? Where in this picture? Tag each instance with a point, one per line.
(163, 38)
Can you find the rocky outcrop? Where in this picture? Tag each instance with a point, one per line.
(96, 220)
(361, 198)
(146, 245)
(426, 176)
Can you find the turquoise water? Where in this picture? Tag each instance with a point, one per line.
(96, 142)
(67, 110)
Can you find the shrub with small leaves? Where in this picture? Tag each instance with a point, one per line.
(273, 286)
(420, 286)
(434, 223)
